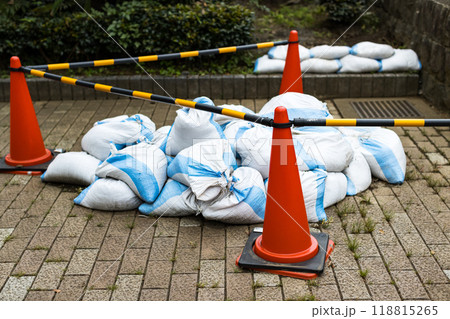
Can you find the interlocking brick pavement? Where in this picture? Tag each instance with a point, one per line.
(51, 249)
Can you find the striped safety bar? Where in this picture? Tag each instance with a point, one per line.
(371, 122)
(233, 113)
(149, 96)
(160, 57)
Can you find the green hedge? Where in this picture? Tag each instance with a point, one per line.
(141, 27)
(344, 11)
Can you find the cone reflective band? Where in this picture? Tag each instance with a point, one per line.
(292, 73)
(286, 246)
(26, 143)
(160, 57)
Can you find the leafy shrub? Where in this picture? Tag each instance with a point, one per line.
(141, 27)
(344, 11)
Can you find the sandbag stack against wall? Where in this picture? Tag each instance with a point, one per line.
(363, 57)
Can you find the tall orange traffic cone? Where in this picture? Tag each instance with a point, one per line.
(286, 246)
(292, 73)
(26, 145)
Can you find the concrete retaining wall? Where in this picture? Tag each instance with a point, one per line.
(424, 26)
(229, 86)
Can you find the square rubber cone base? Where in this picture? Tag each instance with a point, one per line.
(308, 269)
(29, 170)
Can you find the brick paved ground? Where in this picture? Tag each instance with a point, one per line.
(53, 250)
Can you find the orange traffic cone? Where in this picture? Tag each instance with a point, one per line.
(26, 145)
(286, 246)
(292, 73)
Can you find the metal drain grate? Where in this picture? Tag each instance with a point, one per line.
(385, 109)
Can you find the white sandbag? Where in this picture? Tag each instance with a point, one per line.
(118, 118)
(266, 65)
(383, 151)
(108, 194)
(358, 174)
(371, 50)
(254, 149)
(297, 105)
(224, 120)
(245, 201)
(402, 60)
(206, 167)
(175, 200)
(329, 52)
(142, 167)
(326, 145)
(317, 65)
(233, 132)
(280, 52)
(160, 136)
(191, 126)
(119, 131)
(335, 189)
(355, 64)
(76, 168)
(313, 189)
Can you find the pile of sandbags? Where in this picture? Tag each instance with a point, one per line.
(363, 57)
(218, 166)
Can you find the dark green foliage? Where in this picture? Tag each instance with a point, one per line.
(344, 11)
(53, 31)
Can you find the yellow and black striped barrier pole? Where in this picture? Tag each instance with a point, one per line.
(149, 96)
(233, 113)
(371, 122)
(160, 57)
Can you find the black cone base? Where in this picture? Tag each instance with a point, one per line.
(5, 168)
(315, 265)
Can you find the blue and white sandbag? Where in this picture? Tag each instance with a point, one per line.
(335, 188)
(205, 167)
(401, 61)
(383, 150)
(317, 65)
(244, 202)
(326, 145)
(313, 189)
(191, 126)
(122, 131)
(233, 132)
(160, 136)
(297, 105)
(142, 167)
(254, 149)
(358, 172)
(175, 200)
(108, 194)
(329, 52)
(371, 50)
(76, 168)
(279, 52)
(356, 64)
(266, 65)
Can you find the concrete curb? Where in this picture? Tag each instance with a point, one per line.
(229, 86)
